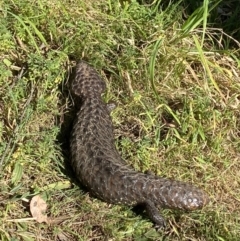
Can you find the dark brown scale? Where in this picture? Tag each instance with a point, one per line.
(101, 169)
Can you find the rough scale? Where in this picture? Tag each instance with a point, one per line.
(101, 169)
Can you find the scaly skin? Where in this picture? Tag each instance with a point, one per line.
(101, 169)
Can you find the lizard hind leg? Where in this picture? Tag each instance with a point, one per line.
(154, 215)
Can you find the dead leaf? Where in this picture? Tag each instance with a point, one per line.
(38, 208)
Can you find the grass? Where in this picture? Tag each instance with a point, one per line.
(175, 78)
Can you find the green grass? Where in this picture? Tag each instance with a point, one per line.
(176, 82)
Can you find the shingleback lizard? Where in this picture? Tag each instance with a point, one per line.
(101, 169)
